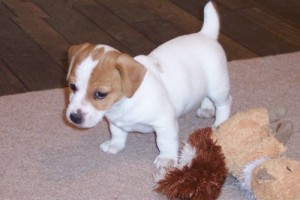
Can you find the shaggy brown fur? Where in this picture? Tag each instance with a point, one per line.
(204, 178)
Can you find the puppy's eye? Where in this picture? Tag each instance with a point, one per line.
(73, 87)
(99, 95)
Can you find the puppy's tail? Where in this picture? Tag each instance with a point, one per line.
(211, 23)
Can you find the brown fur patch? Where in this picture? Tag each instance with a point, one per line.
(204, 179)
(105, 78)
(77, 53)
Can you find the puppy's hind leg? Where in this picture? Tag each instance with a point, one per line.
(207, 109)
(223, 108)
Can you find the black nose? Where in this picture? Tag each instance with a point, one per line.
(76, 118)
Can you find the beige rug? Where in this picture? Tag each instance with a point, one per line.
(41, 157)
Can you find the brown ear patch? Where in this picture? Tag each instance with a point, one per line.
(132, 74)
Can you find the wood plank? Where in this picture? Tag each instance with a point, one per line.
(4, 11)
(265, 20)
(132, 12)
(251, 35)
(140, 17)
(234, 50)
(281, 9)
(30, 19)
(166, 21)
(246, 33)
(10, 84)
(75, 27)
(115, 26)
(24, 8)
(190, 24)
(159, 31)
(194, 7)
(235, 4)
(47, 38)
(272, 24)
(26, 60)
(295, 2)
(168, 11)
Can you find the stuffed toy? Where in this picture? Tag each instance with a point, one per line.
(246, 147)
(201, 171)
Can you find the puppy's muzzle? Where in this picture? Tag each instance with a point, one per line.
(77, 118)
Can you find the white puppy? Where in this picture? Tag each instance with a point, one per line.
(148, 93)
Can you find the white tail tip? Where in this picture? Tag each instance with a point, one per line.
(211, 24)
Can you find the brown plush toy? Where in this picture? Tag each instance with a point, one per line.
(201, 172)
(252, 154)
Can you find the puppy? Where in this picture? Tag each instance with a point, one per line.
(148, 93)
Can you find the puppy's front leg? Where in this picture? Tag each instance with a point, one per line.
(167, 143)
(117, 142)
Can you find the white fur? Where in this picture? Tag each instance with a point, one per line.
(181, 74)
(211, 24)
(187, 154)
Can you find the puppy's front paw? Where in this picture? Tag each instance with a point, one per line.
(165, 162)
(159, 174)
(111, 147)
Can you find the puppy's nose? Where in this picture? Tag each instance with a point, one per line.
(76, 118)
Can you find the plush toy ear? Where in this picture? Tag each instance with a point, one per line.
(263, 174)
(132, 74)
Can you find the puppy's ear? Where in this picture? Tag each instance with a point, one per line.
(132, 74)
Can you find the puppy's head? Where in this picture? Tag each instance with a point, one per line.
(98, 77)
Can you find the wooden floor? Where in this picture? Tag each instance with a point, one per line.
(35, 35)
